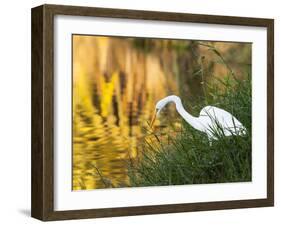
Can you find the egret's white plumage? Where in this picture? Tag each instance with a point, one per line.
(210, 119)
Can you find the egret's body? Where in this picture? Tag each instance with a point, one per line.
(210, 119)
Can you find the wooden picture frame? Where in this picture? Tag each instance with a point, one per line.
(42, 204)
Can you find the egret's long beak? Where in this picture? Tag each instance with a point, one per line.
(153, 118)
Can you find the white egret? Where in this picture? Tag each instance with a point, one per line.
(210, 119)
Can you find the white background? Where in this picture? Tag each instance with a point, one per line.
(15, 112)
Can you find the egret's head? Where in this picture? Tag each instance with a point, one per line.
(163, 102)
(160, 105)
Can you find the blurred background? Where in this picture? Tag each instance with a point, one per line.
(116, 84)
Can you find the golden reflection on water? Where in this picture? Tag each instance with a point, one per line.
(116, 83)
(115, 88)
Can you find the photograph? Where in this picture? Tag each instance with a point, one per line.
(138, 112)
(160, 112)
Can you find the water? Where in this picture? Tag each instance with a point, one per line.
(114, 97)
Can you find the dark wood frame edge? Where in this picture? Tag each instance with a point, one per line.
(42, 197)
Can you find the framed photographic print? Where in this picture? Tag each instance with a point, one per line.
(141, 112)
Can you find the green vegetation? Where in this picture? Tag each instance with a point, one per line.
(188, 157)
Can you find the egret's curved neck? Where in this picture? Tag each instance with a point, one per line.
(193, 121)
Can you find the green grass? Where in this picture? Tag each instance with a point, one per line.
(188, 158)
